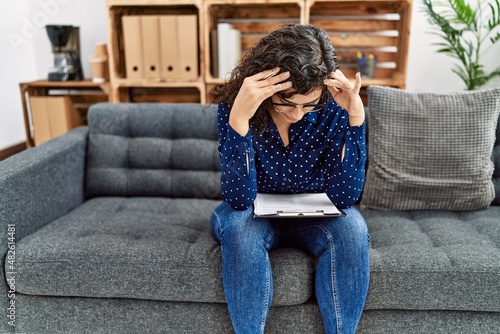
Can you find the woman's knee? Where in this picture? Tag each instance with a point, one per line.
(356, 220)
(352, 227)
(241, 227)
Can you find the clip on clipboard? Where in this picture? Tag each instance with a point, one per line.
(295, 206)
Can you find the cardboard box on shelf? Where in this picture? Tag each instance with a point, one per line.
(52, 116)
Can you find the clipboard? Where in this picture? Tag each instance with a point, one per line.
(310, 205)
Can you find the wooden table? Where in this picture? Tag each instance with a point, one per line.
(84, 93)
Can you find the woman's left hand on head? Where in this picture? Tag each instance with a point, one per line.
(346, 94)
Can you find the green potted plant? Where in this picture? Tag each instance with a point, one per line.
(467, 29)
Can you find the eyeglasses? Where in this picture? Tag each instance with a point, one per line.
(288, 108)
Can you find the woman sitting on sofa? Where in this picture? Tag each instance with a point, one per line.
(291, 122)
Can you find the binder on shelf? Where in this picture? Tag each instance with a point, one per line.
(234, 43)
(150, 46)
(187, 30)
(214, 54)
(169, 44)
(228, 49)
(132, 39)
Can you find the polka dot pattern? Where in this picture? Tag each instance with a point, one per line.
(312, 162)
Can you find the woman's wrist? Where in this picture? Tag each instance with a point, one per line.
(356, 120)
(239, 124)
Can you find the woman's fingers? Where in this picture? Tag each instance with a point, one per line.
(281, 86)
(269, 77)
(270, 90)
(270, 74)
(346, 84)
(357, 84)
(275, 80)
(271, 81)
(258, 87)
(339, 80)
(265, 74)
(334, 83)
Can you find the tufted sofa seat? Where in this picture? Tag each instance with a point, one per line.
(424, 260)
(113, 236)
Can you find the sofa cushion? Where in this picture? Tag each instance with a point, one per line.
(162, 249)
(430, 151)
(153, 150)
(434, 260)
(144, 248)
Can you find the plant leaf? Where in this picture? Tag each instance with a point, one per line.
(462, 74)
(495, 15)
(445, 50)
(463, 12)
(495, 38)
(491, 75)
(439, 20)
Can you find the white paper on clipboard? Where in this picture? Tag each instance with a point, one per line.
(295, 205)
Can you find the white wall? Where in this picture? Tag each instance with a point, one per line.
(17, 66)
(430, 71)
(29, 57)
(25, 52)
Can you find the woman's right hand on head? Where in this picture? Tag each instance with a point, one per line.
(254, 90)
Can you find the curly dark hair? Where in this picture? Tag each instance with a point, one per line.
(303, 50)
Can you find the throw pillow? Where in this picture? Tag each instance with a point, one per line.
(430, 151)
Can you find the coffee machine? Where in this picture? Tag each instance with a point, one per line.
(65, 42)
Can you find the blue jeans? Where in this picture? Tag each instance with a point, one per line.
(341, 246)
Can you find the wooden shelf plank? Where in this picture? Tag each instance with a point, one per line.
(112, 3)
(153, 83)
(84, 84)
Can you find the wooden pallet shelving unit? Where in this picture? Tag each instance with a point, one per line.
(124, 89)
(371, 26)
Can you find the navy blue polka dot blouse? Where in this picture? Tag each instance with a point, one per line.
(311, 163)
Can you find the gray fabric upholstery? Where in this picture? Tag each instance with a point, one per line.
(496, 162)
(132, 259)
(175, 258)
(153, 150)
(434, 260)
(37, 186)
(426, 322)
(131, 316)
(430, 151)
(145, 248)
(496, 184)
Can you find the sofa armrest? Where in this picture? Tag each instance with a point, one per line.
(43, 183)
(37, 186)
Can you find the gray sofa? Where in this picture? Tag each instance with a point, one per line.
(111, 229)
